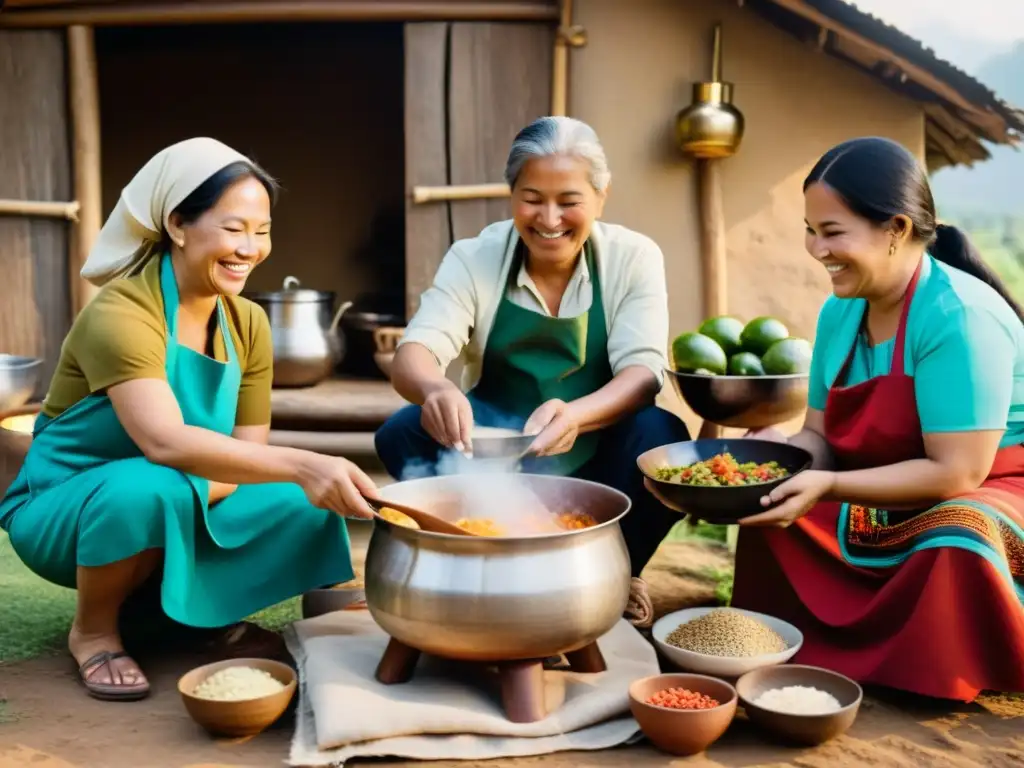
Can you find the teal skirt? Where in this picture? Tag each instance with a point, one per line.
(261, 545)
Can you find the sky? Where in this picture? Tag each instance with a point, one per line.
(995, 23)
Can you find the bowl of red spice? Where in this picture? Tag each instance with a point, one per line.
(682, 714)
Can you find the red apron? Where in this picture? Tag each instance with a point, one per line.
(924, 617)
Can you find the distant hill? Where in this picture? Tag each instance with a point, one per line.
(996, 186)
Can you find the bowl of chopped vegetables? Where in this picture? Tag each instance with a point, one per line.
(800, 704)
(725, 642)
(682, 714)
(238, 697)
(721, 481)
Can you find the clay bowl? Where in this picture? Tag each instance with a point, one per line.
(727, 667)
(721, 504)
(682, 731)
(806, 730)
(237, 718)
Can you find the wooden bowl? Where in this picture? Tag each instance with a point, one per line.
(238, 718)
(682, 731)
(807, 730)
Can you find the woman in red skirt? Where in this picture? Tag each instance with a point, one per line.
(900, 554)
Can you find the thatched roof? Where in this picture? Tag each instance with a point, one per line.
(961, 112)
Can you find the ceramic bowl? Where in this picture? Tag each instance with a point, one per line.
(682, 731)
(238, 718)
(723, 666)
(808, 730)
(721, 504)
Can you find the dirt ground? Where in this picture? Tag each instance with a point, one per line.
(46, 721)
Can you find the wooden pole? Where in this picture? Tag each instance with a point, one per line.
(224, 12)
(55, 210)
(560, 62)
(83, 86)
(459, 192)
(713, 253)
(712, 238)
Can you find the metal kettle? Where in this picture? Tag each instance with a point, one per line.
(304, 327)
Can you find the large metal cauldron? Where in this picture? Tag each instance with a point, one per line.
(499, 599)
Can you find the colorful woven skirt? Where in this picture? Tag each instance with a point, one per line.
(929, 602)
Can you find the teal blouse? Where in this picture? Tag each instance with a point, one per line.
(964, 349)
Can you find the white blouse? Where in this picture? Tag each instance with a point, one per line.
(456, 313)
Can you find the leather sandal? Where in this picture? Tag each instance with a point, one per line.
(110, 691)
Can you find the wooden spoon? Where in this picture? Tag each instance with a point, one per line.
(425, 520)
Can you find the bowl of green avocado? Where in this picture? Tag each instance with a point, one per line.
(747, 375)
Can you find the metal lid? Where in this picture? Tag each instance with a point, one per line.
(291, 293)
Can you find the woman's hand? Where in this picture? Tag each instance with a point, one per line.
(555, 428)
(220, 491)
(448, 417)
(337, 485)
(794, 498)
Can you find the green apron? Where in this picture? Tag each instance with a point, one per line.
(531, 358)
(86, 496)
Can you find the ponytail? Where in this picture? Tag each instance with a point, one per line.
(952, 247)
(879, 179)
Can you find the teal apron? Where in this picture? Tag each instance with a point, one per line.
(86, 496)
(531, 358)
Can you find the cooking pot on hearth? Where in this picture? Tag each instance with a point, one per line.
(304, 327)
(477, 598)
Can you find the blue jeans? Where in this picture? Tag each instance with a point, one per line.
(406, 451)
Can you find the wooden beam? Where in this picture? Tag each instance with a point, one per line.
(45, 209)
(84, 97)
(921, 75)
(459, 192)
(225, 12)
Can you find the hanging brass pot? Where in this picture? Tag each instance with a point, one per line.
(711, 127)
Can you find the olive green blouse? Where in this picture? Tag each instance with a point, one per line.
(121, 335)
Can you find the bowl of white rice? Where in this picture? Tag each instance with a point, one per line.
(800, 704)
(725, 642)
(238, 697)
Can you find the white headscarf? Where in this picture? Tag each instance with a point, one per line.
(135, 228)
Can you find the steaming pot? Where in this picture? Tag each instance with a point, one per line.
(499, 599)
(304, 326)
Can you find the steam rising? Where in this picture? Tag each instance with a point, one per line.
(490, 489)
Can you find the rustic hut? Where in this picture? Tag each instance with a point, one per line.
(388, 123)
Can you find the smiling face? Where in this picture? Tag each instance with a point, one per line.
(222, 246)
(554, 206)
(854, 250)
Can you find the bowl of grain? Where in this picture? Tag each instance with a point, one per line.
(238, 697)
(800, 704)
(725, 642)
(682, 714)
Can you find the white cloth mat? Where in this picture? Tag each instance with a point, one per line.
(447, 711)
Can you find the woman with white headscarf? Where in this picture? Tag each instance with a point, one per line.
(151, 448)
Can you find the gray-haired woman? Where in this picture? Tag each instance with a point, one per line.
(562, 323)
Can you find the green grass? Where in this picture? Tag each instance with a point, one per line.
(35, 615)
(723, 578)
